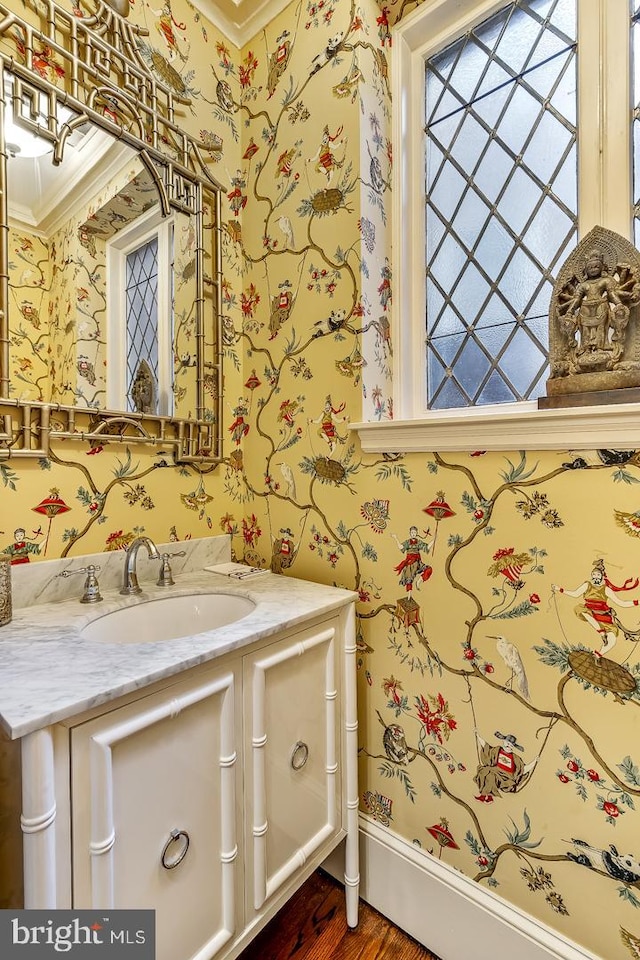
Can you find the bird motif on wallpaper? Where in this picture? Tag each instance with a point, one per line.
(289, 479)
(375, 173)
(511, 656)
(615, 458)
(633, 943)
(285, 225)
(630, 522)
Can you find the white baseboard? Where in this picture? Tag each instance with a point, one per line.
(443, 909)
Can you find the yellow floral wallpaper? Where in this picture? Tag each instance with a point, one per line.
(89, 496)
(57, 297)
(30, 273)
(498, 615)
(498, 592)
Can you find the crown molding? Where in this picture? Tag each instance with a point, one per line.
(240, 20)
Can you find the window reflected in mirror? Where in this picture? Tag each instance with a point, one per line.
(85, 307)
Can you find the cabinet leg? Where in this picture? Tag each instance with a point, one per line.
(352, 866)
(352, 898)
(352, 855)
(38, 819)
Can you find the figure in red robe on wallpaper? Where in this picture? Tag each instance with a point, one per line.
(412, 565)
(500, 770)
(284, 551)
(328, 421)
(22, 546)
(597, 594)
(240, 428)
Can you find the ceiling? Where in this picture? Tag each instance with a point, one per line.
(240, 20)
(42, 196)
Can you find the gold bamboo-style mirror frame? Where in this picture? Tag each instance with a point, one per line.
(102, 66)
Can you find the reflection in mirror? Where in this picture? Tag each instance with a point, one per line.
(99, 281)
(110, 263)
(210, 346)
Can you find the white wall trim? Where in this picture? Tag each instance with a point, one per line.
(443, 909)
(508, 427)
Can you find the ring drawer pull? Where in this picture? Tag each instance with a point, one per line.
(174, 837)
(299, 755)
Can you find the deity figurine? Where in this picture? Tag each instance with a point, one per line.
(143, 389)
(596, 312)
(594, 333)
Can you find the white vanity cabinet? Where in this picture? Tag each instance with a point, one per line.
(292, 743)
(154, 818)
(209, 796)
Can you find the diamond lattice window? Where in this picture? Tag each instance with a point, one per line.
(142, 311)
(501, 201)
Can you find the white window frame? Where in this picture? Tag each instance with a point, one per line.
(604, 131)
(144, 228)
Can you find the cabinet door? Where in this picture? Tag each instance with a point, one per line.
(164, 763)
(292, 771)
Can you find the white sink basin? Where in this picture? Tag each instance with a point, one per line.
(168, 618)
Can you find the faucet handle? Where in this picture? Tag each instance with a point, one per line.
(165, 578)
(91, 586)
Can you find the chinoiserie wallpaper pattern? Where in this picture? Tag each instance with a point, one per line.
(57, 306)
(498, 592)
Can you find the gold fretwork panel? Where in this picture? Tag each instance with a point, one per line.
(28, 429)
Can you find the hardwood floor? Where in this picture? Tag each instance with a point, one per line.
(313, 926)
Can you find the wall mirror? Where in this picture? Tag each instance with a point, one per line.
(110, 273)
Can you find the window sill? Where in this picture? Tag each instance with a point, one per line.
(612, 427)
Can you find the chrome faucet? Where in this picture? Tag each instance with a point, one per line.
(130, 584)
(91, 587)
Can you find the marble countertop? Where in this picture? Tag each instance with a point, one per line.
(50, 672)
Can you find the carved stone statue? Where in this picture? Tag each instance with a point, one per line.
(143, 389)
(594, 320)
